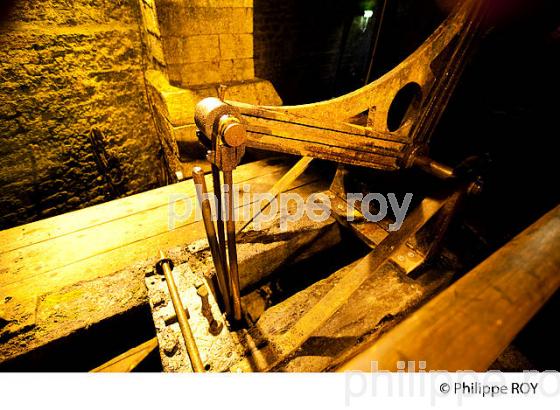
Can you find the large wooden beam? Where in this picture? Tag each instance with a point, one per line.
(54, 273)
(468, 325)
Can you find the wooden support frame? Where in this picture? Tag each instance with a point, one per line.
(469, 324)
(328, 129)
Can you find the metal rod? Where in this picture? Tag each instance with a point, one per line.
(220, 220)
(231, 245)
(182, 318)
(217, 257)
(434, 168)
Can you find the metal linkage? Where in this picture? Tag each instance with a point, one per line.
(232, 246)
(165, 266)
(217, 254)
(222, 130)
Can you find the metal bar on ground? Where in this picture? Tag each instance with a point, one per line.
(190, 343)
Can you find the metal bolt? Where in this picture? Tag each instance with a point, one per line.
(233, 132)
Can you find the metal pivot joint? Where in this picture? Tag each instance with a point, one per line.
(222, 130)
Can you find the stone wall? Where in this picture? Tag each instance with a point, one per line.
(74, 121)
(151, 35)
(207, 41)
(194, 47)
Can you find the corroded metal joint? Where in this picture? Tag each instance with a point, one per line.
(419, 158)
(222, 131)
(232, 131)
(217, 119)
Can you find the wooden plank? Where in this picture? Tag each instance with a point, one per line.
(96, 293)
(47, 256)
(103, 249)
(111, 242)
(262, 138)
(310, 135)
(469, 324)
(50, 228)
(129, 360)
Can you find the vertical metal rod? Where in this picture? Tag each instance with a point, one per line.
(220, 216)
(217, 257)
(375, 41)
(182, 318)
(231, 245)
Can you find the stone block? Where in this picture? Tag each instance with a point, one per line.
(185, 134)
(207, 3)
(196, 74)
(236, 46)
(177, 104)
(237, 70)
(212, 72)
(191, 49)
(244, 69)
(176, 20)
(230, 3)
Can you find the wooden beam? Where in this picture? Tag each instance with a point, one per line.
(129, 360)
(469, 324)
(47, 255)
(80, 256)
(47, 229)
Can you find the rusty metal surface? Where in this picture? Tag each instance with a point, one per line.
(164, 266)
(217, 346)
(232, 248)
(217, 253)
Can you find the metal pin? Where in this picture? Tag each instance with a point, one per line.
(165, 265)
(433, 167)
(217, 256)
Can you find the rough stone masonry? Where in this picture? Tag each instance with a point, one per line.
(74, 121)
